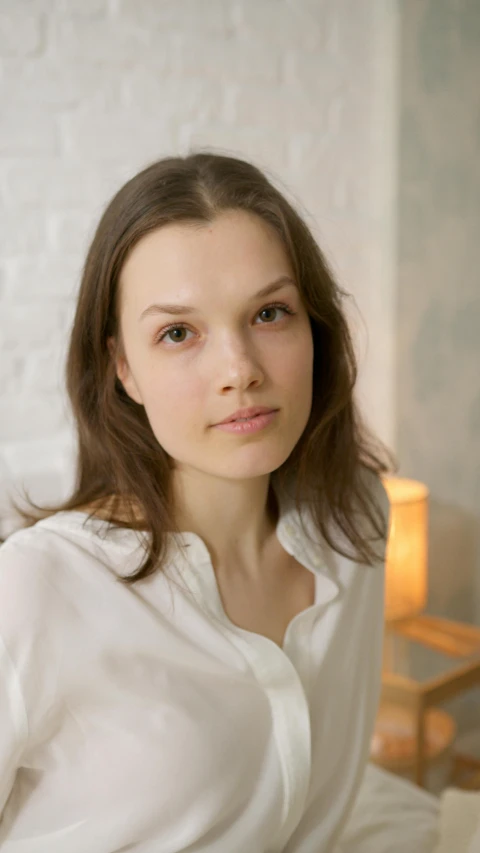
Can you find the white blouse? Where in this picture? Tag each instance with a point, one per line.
(142, 719)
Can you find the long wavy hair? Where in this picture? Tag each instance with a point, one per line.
(122, 472)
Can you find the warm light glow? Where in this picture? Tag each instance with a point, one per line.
(407, 549)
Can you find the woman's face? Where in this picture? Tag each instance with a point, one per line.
(233, 349)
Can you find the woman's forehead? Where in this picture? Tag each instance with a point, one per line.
(181, 262)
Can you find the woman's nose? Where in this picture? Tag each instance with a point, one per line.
(238, 366)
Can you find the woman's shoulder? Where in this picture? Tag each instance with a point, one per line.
(37, 553)
(32, 606)
(40, 600)
(28, 553)
(39, 537)
(67, 549)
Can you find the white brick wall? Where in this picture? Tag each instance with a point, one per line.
(93, 90)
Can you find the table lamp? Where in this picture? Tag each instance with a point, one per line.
(407, 549)
(406, 570)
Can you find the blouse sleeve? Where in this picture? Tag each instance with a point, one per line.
(28, 654)
(13, 723)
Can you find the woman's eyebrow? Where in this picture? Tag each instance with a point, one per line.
(188, 309)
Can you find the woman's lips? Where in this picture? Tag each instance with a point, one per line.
(241, 427)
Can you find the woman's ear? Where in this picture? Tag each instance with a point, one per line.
(123, 371)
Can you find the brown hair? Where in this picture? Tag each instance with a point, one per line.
(122, 471)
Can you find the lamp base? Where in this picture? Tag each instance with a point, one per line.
(394, 745)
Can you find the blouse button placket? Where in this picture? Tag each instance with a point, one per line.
(291, 725)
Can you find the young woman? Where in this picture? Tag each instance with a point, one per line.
(191, 644)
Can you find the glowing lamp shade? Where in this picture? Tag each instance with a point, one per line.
(407, 549)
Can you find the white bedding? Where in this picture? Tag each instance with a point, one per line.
(391, 815)
(459, 822)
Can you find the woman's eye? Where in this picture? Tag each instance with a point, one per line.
(170, 330)
(271, 308)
